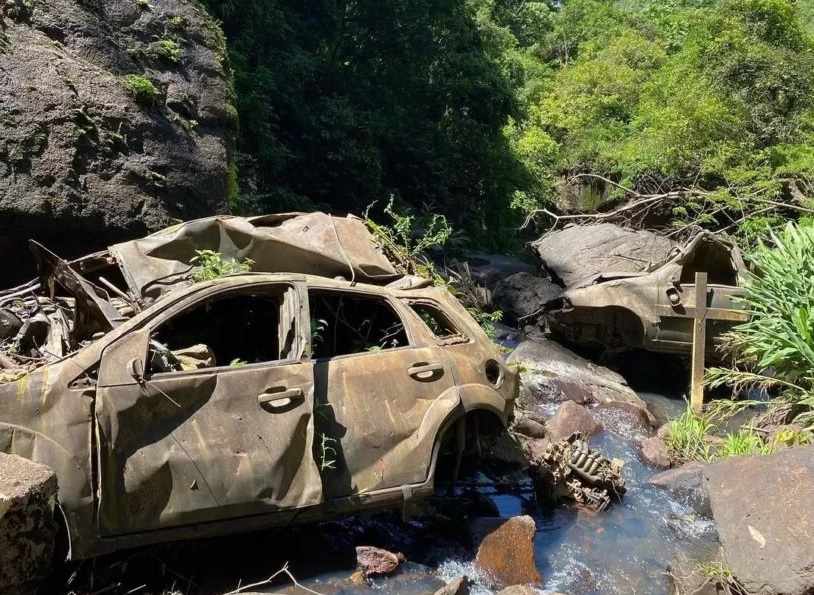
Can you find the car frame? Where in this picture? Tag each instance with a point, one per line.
(653, 310)
(144, 455)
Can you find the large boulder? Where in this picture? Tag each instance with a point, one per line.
(28, 492)
(553, 374)
(506, 550)
(580, 251)
(116, 119)
(764, 511)
(570, 419)
(686, 484)
(522, 295)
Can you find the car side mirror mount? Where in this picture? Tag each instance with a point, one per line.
(135, 367)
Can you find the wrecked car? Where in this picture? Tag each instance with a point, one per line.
(654, 309)
(172, 409)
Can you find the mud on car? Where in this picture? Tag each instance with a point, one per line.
(171, 409)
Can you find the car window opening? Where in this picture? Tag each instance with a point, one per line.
(713, 258)
(342, 324)
(439, 323)
(232, 331)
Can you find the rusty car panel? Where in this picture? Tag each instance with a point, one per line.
(252, 400)
(654, 309)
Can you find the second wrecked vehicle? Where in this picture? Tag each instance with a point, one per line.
(171, 409)
(653, 309)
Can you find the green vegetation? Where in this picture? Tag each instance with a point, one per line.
(471, 107)
(686, 437)
(142, 89)
(167, 49)
(209, 264)
(775, 348)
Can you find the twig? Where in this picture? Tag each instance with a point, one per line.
(283, 570)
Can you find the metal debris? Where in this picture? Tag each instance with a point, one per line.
(587, 477)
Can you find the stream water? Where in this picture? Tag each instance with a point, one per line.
(625, 550)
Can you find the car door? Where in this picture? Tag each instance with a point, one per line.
(375, 386)
(206, 413)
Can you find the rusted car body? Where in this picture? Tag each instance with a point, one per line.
(653, 310)
(253, 400)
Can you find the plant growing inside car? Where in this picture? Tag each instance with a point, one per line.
(209, 264)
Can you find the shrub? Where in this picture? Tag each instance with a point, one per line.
(142, 89)
(775, 348)
(209, 264)
(686, 437)
(168, 49)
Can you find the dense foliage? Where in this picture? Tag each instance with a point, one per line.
(466, 106)
(775, 348)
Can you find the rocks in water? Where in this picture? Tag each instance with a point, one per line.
(373, 561)
(522, 295)
(28, 529)
(529, 425)
(506, 551)
(580, 251)
(623, 418)
(553, 374)
(457, 586)
(654, 451)
(686, 484)
(570, 419)
(764, 512)
(114, 125)
(686, 577)
(488, 270)
(519, 590)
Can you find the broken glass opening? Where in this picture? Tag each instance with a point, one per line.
(439, 323)
(344, 323)
(234, 330)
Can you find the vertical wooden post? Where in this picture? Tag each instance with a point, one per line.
(699, 342)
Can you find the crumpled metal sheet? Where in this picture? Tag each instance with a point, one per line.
(308, 243)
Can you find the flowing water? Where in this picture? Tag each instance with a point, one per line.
(624, 550)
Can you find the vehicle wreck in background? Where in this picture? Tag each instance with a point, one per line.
(645, 305)
(171, 409)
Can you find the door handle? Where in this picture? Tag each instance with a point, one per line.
(425, 371)
(279, 397)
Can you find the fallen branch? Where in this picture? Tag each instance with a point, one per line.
(268, 581)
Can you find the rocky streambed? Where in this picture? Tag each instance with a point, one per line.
(657, 539)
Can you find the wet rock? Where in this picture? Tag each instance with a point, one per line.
(458, 586)
(373, 561)
(522, 295)
(529, 425)
(569, 419)
(580, 251)
(519, 590)
(686, 484)
(27, 526)
(625, 419)
(506, 550)
(553, 374)
(764, 513)
(686, 577)
(653, 451)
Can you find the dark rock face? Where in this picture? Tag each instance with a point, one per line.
(27, 527)
(553, 374)
(489, 269)
(580, 251)
(569, 419)
(523, 294)
(84, 160)
(686, 484)
(506, 551)
(764, 512)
